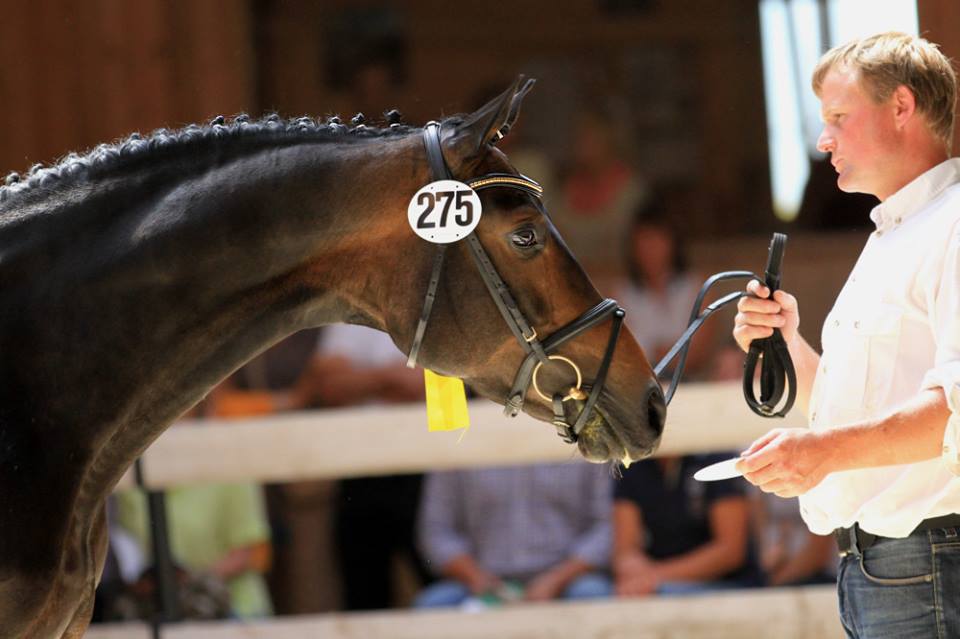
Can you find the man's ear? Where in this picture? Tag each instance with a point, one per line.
(904, 105)
(485, 126)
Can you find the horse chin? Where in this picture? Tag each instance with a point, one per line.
(600, 442)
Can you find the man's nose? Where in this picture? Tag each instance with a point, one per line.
(825, 142)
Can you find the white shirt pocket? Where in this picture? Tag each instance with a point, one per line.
(857, 367)
(880, 329)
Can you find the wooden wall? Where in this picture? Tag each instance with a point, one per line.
(75, 74)
(940, 23)
(670, 65)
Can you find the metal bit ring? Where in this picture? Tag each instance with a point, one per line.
(575, 391)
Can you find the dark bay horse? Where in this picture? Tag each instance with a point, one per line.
(133, 279)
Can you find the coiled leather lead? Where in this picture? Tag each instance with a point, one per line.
(777, 373)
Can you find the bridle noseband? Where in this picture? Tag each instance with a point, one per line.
(538, 352)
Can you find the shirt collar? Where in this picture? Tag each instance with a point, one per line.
(914, 195)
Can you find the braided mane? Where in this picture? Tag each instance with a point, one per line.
(241, 133)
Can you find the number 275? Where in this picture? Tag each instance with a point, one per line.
(464, 208)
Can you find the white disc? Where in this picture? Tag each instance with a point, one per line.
(721, 470)
(444, 211)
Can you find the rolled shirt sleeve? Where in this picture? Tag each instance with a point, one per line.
(945, 374)
(440, 522)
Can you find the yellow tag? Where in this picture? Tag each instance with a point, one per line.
(446, 402)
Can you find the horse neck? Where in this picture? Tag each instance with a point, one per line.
(158, 304)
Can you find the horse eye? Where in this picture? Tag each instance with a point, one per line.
(524, 238)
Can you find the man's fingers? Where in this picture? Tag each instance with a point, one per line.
(760, 442)
(757, 288)
(777, 487)
(759, 454)
(787, 301)
(763, 476)
(757, 305)
(759, 319)
(746, 334)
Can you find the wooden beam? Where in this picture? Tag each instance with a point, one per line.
(393, 439)
(786, 613)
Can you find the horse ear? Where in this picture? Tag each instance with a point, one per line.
(488, 124)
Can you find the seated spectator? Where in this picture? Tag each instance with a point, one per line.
(220, 529)
(599, 192)
(217, 532)
(660, 288)
(535, 533)
(790, 555)
(355, 366)
(125, 562)
(673, 534)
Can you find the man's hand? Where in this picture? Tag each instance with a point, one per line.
(787, 461)
(758, 316)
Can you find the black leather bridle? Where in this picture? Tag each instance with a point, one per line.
(538, 352)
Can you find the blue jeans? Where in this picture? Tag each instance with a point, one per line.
(904, 588)
(453, 593)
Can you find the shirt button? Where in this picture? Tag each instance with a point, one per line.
(813, 417)
(856, 324)
(836, 323)
(897, 220)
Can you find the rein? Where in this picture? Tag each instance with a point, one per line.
(537, 350)
(776, 372)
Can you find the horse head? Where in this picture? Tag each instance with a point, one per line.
(526, 347)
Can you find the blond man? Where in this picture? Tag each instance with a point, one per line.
(879, 464)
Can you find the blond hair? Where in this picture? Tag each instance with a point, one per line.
(888, 60)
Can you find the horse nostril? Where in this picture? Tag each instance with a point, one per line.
(656, 409)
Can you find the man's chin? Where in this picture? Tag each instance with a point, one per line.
(849, 184)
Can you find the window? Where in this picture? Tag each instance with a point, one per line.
(794, 34)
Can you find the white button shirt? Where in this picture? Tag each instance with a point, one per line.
(894, 331)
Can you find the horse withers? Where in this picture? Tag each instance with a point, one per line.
(137, 276)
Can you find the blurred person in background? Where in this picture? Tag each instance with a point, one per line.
(788, 553)
(374, 517)
(599, 192)
(298, 511)
(660, 288)
(673, 534)
(216, 531)
(532, 533)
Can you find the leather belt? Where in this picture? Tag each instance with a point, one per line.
(854, 540)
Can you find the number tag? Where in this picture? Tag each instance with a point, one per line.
(444, 211)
